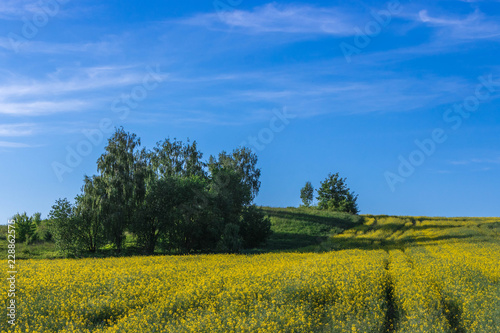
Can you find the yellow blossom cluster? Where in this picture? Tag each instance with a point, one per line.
(408, 275)
(286, 292)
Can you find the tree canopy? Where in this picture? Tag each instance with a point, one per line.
(167, 197)
(334, 194)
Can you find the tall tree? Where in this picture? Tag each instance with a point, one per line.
(234, 184)
(306, 194)
(174, 175)
(244, 162)
(63, 224)
(174, 158)
(335, 195)
(91, 210)
(124, 183)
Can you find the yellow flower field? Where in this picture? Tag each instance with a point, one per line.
(437, 286)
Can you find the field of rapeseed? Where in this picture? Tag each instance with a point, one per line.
(412, 275)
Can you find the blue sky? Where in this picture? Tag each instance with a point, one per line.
(402, 98)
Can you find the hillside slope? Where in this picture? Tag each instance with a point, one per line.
(309, 229)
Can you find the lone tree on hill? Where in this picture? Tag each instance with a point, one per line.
(306, 194)
(335, 195)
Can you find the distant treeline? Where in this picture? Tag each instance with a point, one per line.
(167, 197)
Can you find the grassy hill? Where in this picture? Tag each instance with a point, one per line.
(311, 230)
(304, 229)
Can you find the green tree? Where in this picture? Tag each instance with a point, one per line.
(124, 184)
(43, 231)
(334, 194)
(255, 227)
(26, 227)
(158, 214)
(234, 184)
(63, 224)
(244, 162)
(168, 213)
(174, 158)
(230, 240)
(90, 209)
(199, 226)
(306, 194)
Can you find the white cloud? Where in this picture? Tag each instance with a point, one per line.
(486, 160)
(38, 108)
(66, 90)
(72, 80)
(13, 9)
(6, 144)
(19, 44)
(17, 9)
(10, 130)
(473, 26)
(281, 18)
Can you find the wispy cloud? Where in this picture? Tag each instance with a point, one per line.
(301, 19)
(474, 26)
(65, 90)
(39, 108)
(14, 9)
(18, 9)
(6, 144)
(66, 80)
(472, 161)
(11, 130)
(104, 47)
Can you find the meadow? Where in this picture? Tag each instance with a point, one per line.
(320, 272)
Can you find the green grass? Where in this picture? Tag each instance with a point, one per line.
(39, 250)
(400, 232)
(309, 229)
(305, 229)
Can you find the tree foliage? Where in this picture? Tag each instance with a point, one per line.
(242, 161)
(334, 194)
(91, 209)
(167, 196)
(64, 226)
(123, 182)
(26, 226)
(306, 194)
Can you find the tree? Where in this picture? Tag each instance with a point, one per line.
(306, 194)
(199, 225)
(124, 183)
(159, 211)
(230, 240)
(234, 184)
(91, 210)
(174, 176)
(255, 227)
(26, 227)
(174, 158)
(63, 224)
(244, 162)
(335, 195)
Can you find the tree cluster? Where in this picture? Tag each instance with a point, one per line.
(30, 229)
(333, 194)
(167, 197)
